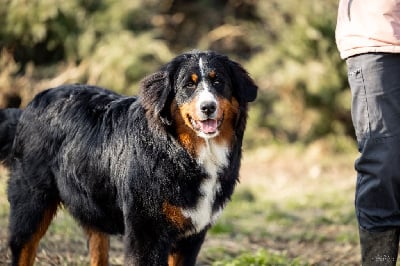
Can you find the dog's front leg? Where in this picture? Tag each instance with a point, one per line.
(185, 251)
(145, 245)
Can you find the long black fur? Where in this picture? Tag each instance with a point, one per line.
(8, 125)
(112, 161)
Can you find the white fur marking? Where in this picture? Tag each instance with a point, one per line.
(212, 157)
(205, 96)
(201, 66)
(203, 76)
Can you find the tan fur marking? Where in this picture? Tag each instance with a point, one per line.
(230, 109)
(174, 214)
(195, 78)
(98, 247)
(28, 252)
(212, 74)
(187, 137)
(188, 109)
(175, 259)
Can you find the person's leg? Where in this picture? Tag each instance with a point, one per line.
(375, 85)
(379, 248)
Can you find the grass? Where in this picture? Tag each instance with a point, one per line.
(293, 206)
(3, 198)
(259, 258)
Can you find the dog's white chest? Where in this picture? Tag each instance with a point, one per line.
(213, 157)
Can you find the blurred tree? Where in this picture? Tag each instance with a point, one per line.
(287, 45)
(307, 79)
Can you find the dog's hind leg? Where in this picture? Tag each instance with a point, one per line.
(26, 230)
(98, 247)
(32, 209)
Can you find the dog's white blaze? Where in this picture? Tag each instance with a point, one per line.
(212, 157)
(205, 96)
(206, 91)
(202, 69)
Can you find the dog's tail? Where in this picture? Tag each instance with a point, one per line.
(8, 125)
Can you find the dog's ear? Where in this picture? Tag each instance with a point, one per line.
(244, 84)
(155, 92)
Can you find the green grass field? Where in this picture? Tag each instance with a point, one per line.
(293, 206)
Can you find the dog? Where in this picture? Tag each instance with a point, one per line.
(8, 123)
(157, 168)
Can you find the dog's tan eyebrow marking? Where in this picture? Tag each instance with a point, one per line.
(195, 78)
(212, 74)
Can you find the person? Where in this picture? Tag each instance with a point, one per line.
(368, 38)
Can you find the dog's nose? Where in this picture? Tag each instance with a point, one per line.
(208, 107)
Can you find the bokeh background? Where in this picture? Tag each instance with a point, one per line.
(294, 205)
(287, 46)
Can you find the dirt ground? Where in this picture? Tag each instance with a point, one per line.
(298, 173)
(281, 174)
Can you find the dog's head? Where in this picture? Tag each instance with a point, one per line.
(204, 90)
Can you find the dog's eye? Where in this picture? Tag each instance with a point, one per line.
(217, 83)
(190, 85)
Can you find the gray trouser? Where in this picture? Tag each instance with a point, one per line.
(375, 86)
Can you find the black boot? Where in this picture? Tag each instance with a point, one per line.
(379, 248)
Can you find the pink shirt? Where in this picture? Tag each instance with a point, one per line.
(368, 26)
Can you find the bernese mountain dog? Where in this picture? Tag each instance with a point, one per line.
(157, 168)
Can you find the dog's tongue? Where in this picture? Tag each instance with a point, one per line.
(208, 126)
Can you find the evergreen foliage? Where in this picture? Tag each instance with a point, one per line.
(288, 46)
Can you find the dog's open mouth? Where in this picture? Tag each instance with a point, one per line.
(208, 126)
